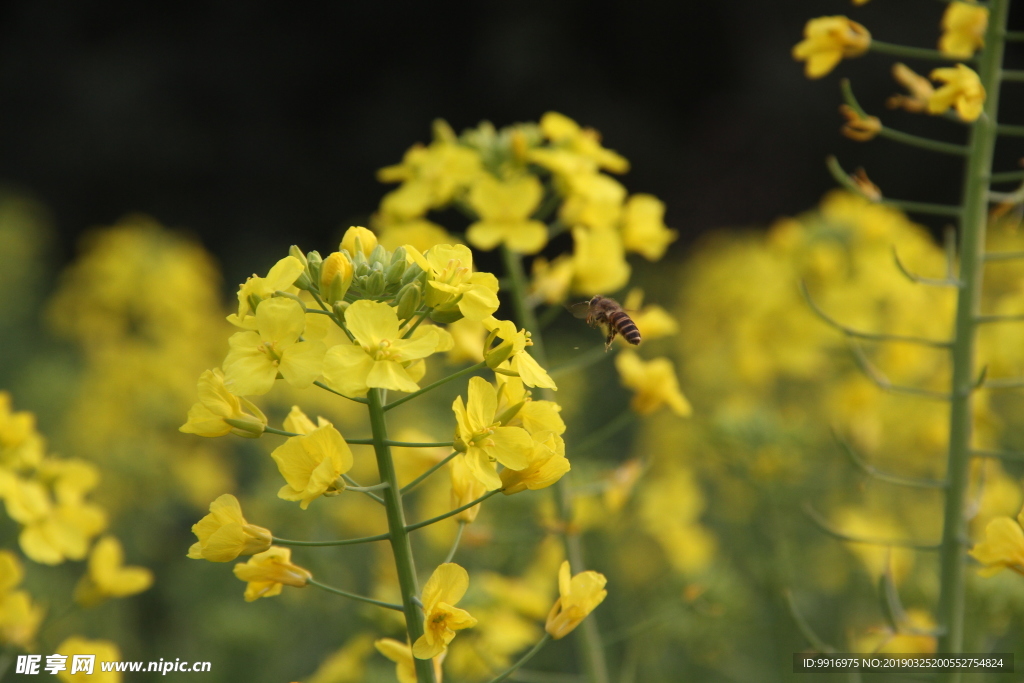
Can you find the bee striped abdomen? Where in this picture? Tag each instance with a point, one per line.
(625, 326)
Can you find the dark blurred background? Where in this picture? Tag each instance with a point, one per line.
(256, 125)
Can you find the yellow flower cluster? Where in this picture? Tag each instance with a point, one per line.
(510, 181)
(47, 497)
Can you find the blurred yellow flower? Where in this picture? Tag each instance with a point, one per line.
(564, 132)
(452, 284)
(224, 534)
(963, 90)
(653, 321)
(401, 654)
(20, 444)
(504, 209)
(857, 127)
(551, 281)
(594, 200)
(220, 412)
(654, 382)
(417, 232)
(547, 465)
(1003, 546)
(643, 227)
(20, 619)
(347, 664)
(578, 596)
(380, 357)
(599, 261)
(884, 640)
(270, 571)
(107, 577)
(104, 651)
(432, 176)
(312, 464)
(466, 487)
(256, 358)
(827, 40)
(441, 619)
(919, 88)
(484, 439)
(51, 532)
(963, 29)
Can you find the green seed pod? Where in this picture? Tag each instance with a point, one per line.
(408, 301)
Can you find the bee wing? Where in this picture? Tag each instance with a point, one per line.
(580, 310)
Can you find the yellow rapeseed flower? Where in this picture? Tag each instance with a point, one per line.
(483, 438)
(269, 572)
(643, 227)
(1003, 547)
(52, 531)
(963, 90)
(452, 284)
(578, 596)
(586, 142)
(281, 277)
(504, 209)
(220, 412)
(401, 654)
(594, 200)
(431, 177)
(963, 29)
(379, 358)
(465, 488)
(857, 127)
(512, 350)
(547, 465)
(256, 358)
(654, 382)
(312, 464)
(358, 239)
(224, 534)
(827, 40)
(919, 90)
(20, 618)
(107, 576)
(599, 261)
(441, 619)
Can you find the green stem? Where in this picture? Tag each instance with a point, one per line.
(972, 240)
(279, 432)
(1007, 177)
(418, 480)
(608, 429)
(922, 142)
(1010, 131)
(400, 545)
(412, 328)
(582, 360)
(319, 544)
(361, 489)
(588, 638)
(449, 378)
(420, 444)
(1012, 76)
(913, 52)
(522, 660)
(450, 513)
(354, 596)
(321, 304)
(455, 543)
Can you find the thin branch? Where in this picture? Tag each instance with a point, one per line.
(870, 336)
(338, 393)
(451, 513)
(1014, 36)
(922, 142)
(1010, 456)
(1011, 76)
(445, 380)
(825, 526)
(914, 277)
(880, 380)
(1003, 255)
(522, 660)
(279, 432)
(361, 489)
(912, 52)
(419, 444)
(581, 360)
(337, 321)
(843, 179)
(418, 480)
(1010, 131)
(1006, 176)
(458, 539)
(870, 470)
(804, 627)
(319, 544)
(1003, 383)
(1014, 318)
(353, 596)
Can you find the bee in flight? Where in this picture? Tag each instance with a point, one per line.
(604, 311)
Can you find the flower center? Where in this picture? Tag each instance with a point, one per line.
(271, 351)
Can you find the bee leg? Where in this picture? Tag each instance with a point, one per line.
(610, 339)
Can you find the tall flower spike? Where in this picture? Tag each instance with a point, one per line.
(441, 619)
(827, 40)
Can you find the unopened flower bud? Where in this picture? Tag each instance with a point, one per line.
(339, 308)
(297, 253)
(335, 276)
(373, 287)
(379, 255)
(408, 301)
(359, 239)
(394, 272)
